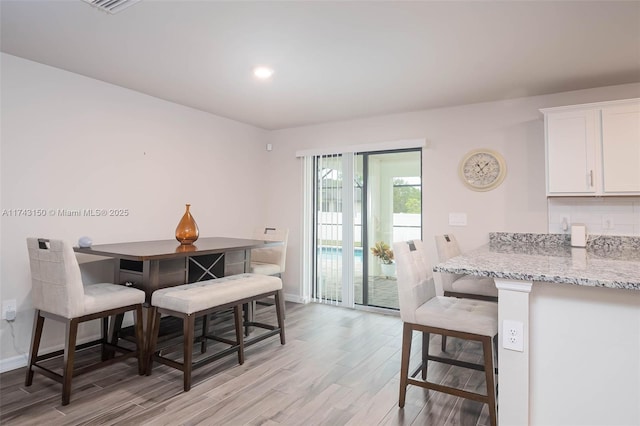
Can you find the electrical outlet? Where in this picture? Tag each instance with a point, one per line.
(513, 335)
(607, 222)
(9, 309)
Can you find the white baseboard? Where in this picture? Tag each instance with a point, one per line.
(294, 298)
(20, 361)
(13, 363)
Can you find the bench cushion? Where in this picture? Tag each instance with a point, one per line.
(195, 297)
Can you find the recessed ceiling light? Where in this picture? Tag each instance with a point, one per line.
(262, 72)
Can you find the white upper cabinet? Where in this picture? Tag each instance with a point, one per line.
(571, 152)
(621, 148)
(593, 149)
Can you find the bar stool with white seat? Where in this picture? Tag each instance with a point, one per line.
(459, 285)
(270, 260)
(59, 294)
(423, 311)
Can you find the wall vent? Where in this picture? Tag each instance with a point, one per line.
(111, 6)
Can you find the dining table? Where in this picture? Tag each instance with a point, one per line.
(152, 265)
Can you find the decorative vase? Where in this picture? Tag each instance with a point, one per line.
(187, 230)
(186, 248)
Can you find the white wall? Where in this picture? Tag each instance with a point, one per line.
(514, 128)
(71, 142)
(601, 215)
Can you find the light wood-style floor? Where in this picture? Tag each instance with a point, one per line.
(339, 367)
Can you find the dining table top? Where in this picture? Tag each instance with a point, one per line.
(171, 249)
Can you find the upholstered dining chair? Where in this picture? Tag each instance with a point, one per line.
(270, 260)
(59, 294)
(421, 310)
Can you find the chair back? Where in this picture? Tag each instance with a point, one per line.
(447, 247)
(415, 283)
(55, 278)
(275, 255)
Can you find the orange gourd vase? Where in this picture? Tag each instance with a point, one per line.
(187, 230)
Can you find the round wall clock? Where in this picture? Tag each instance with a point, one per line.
(482, 169)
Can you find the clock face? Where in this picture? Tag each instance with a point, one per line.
(482, 170)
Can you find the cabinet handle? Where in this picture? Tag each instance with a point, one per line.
(591, 178)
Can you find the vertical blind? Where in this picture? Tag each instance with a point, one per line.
(333, 230)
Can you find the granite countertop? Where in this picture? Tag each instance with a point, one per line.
(612, 262)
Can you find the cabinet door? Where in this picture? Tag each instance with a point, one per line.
(621, 148)
(571, 152)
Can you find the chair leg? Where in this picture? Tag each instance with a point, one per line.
(36, 335)
(487, 349)
(407, 335)
(280, 314)
(248, 316)
(205, 330)
(104, 336)
(237, 316)
(188, 325)
(153, 329)
(69, 355)
(444, 343)
(114, 330)
(140, 345)
(425, 354)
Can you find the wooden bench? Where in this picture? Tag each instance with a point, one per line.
(200, 299)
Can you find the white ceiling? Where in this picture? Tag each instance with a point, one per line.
(332, 60)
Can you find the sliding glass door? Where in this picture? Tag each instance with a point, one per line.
(362, 202)
(392, 211)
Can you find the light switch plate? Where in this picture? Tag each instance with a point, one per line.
(458, 219)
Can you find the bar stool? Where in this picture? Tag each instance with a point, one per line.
(423, 311)
(459, 285)
(270, 260)
(58, 294)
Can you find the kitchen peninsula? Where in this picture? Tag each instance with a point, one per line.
(580, 308)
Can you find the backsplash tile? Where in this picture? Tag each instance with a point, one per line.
(601, 215)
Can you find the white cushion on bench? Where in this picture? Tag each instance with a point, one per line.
(195, 297)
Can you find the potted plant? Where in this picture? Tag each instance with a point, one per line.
(382, 251)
